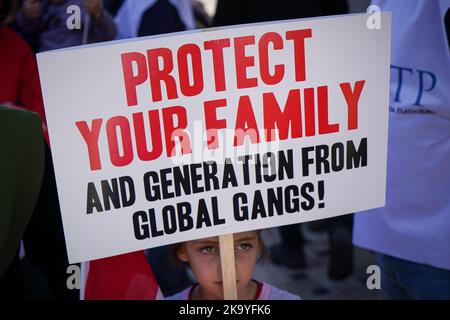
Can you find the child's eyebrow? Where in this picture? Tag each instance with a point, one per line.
(205, 242)
(212, 242)
(245, 239)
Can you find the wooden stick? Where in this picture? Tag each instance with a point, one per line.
(228, 267)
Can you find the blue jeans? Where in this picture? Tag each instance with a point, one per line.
(403, 279)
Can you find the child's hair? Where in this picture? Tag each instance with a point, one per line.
(263, 254)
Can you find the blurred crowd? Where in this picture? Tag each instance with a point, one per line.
(410, 235)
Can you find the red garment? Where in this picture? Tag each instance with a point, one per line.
(123, 277)
(19, 78)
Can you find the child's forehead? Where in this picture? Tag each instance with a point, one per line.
(248, 235)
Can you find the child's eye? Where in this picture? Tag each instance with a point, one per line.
(208, 249)
(244, 246)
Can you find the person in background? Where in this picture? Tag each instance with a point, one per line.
(48, 20)
(411, 234)
(19, 79)
(231, 12)
(9, 12)
(43, 237)
(138, 18)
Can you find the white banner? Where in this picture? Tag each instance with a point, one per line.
(165, 139)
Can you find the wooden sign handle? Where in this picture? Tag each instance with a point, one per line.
(228, 267)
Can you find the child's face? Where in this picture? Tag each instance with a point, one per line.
(204, 258)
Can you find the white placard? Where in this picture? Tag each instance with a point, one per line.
(165, 139)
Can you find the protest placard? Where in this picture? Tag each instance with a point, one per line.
(183, 136)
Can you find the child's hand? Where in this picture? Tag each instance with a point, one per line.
(32, 9)
(94, 8)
